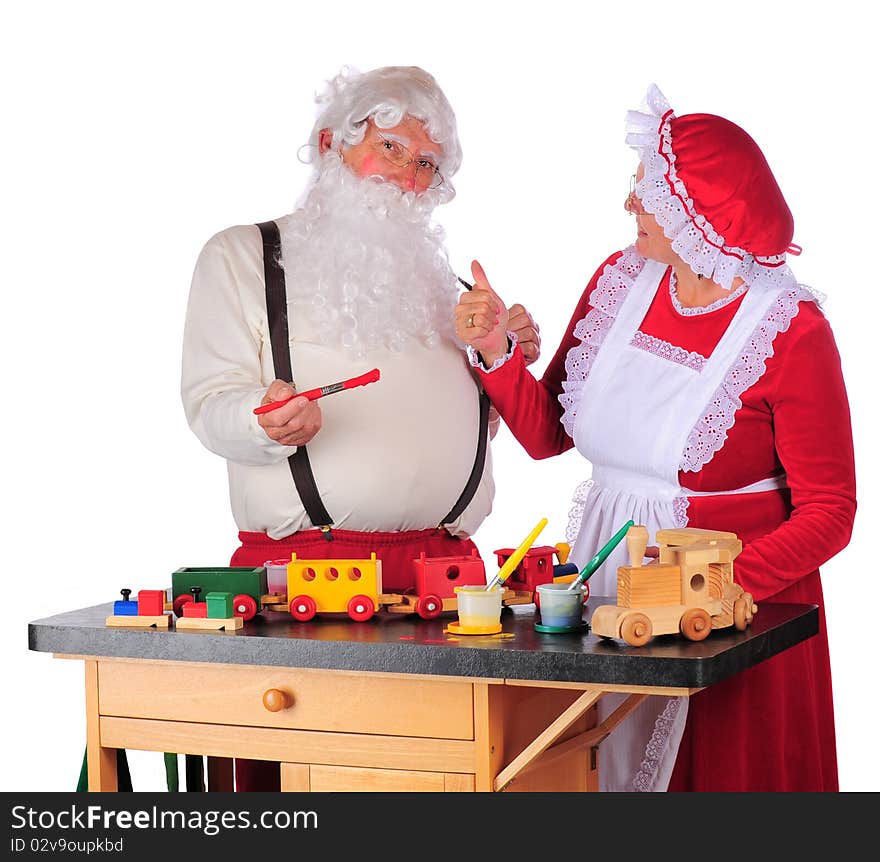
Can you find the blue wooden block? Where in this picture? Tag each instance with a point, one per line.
(565, 569)
(125, 609)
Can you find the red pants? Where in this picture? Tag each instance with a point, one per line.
(396, 551)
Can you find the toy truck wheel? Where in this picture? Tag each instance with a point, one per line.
(244, 606)
(751, 607)
(695, 624)
(739, 614)
(303, 608)
(743, 610)
(636, 629)
(429, 607)
(179, 602)
(361, 608)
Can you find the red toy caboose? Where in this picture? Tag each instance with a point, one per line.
(437, 578)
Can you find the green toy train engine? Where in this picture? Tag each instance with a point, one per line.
(248, 586)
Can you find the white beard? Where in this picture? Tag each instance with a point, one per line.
(364, 265)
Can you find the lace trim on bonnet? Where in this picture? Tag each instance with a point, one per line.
(664, 195)
(710, 432)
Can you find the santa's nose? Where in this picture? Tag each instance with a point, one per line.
(407, 180)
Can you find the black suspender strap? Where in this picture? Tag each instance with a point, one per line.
(300, 468)
(276, 307)
(473, 481)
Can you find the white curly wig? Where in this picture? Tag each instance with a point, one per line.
(387, 95)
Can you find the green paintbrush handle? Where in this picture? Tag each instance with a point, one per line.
(600, 558)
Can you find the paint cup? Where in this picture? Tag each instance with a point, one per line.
(560, 606)
(276, 575)
(478, 607)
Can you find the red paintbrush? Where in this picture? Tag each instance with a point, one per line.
(314, 394)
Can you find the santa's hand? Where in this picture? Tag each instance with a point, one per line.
(527, 333)
(481, 319)
(294, 423)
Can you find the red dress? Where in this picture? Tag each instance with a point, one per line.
(771, 727)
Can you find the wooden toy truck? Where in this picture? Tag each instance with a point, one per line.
(689, 589)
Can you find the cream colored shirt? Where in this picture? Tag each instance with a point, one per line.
(393, 455)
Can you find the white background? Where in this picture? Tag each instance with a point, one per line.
(133, 132)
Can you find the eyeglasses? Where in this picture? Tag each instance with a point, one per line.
(427, 173)
(632, 204)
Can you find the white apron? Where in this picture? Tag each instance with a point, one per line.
(637, 410)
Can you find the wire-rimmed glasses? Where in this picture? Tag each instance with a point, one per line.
(428, 175)
(632, 204)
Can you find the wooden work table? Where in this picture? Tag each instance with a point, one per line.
(390, 704)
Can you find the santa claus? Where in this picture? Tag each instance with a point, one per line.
(356, 277)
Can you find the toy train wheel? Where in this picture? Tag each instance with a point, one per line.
(361, 608)
(429, 607)
(695, 624)
(303, 608)
(636, 629)
(751, 607)
(743, 611)
(244, 606)
(179, 602)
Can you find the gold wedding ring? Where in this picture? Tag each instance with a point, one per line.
(470, 321)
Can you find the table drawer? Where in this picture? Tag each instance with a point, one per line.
(305, 699)
(347, 779)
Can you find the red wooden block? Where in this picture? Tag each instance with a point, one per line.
(151, 603)
(196, 609)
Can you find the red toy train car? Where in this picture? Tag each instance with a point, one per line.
(537, 568)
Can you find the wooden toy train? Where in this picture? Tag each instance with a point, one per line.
(689, 589)
(354, 587)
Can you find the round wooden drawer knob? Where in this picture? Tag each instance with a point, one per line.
(274, 699)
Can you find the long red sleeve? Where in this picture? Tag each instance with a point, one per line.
(813, 440)
(530, 407)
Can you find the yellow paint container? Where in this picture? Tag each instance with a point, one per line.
(479, 608)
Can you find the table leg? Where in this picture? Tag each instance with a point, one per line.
(488, 733)
(516, 725)
(102, 761)
(545, 739)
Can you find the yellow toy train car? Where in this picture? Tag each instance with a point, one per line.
(352, 587)
(688, 590)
